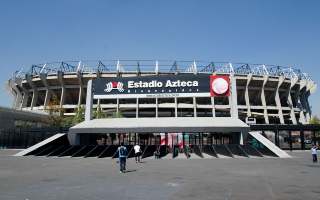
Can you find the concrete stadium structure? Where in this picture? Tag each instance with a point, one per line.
(269, 94)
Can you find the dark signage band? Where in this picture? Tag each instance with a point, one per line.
(152, 85)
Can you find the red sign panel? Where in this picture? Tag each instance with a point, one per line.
(219, 85)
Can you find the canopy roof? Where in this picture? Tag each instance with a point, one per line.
(161, 125)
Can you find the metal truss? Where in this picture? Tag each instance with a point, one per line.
(161, 66)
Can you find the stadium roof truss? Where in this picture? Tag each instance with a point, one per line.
(161, 66)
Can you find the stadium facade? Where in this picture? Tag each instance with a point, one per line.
(209, 108)
(267, 94)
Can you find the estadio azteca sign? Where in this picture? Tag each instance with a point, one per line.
(182, 85)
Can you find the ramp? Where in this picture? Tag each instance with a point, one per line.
(268, 144)
(40, 144)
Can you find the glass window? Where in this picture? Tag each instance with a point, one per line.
(296, 139)
(284, 140)
(308, 139)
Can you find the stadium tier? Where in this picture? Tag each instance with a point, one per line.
(263, 94)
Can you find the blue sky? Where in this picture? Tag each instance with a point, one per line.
(285, 32)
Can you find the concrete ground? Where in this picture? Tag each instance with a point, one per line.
(40, 178)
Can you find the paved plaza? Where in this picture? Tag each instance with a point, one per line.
(39, 178)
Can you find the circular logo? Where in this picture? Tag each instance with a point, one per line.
(220, 86)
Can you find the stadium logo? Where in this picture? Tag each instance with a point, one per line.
(114, 85)
(219, 85)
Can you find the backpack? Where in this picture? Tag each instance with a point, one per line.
(122, 152)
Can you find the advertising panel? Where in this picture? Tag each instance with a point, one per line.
(182, 85)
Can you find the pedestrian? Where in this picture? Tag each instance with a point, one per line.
(137, 152)
(314, 153)
(122, 152)
(157, 153)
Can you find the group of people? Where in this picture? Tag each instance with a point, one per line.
(123, 154)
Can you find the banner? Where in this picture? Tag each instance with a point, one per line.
(181, 85)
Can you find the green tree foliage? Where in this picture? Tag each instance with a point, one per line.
(79, 116)
(314, 120)
(116, 115)
(55, 112)
(98, 113)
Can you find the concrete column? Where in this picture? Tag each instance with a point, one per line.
(17, 99)
(157, 107)
(194, 107)
(137, 108)
(310, 86)
(79, 75)
(34, 98)
(292, 115)
(24, 99)
(305, 106)
(308, 114)
(233, 100)
(301, 94)
(89, 101)
(246, 95)
(175, 107)
(213, 108)
(34, 91)
(63, 89)
(277, 99)
(12, 87)
(47, 98)
(80, 95)
(117, 111)
(305, 102)
(263, 100)
(43, 78)
(298, 105)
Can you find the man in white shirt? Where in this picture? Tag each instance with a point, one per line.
(137, 152)
(314, 153)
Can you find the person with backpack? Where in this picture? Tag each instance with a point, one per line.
(122, 152)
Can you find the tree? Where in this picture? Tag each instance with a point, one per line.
(55, 111)
(314, 120)
(117, 115)
(98, 113)
(79, 116)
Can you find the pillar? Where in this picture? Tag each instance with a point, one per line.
(233, 101)
(194, 107)
(175, 107)
(89, 100)
(292, 114)
(263, 100)
(213, 107)
(246, 95)
(277, 100)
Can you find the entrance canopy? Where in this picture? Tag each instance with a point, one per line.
(161, 125)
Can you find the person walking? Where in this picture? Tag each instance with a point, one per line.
(122, 152)
(137, 152)
(314, 153)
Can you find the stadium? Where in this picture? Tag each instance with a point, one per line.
(271, 94)
(157, 98)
